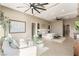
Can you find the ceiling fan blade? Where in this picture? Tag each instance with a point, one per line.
(40, 8)
(32, 4)
(36, 10)
(43, 4)
(32, 10)
(26, 10)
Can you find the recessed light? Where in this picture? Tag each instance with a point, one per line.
(63, 10)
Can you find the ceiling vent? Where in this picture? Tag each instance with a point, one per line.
(58, 18)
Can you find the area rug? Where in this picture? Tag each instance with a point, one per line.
(41, 50)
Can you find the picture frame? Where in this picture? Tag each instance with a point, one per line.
(17, 26)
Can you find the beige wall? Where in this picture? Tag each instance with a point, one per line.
(72, 28)
(57, 27)
(15, 15)
(78, 8)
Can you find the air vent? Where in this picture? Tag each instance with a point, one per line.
(57, 18)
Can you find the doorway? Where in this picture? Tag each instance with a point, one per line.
(33, 29)
(67, 30)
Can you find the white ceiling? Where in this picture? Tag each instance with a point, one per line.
(66, 10)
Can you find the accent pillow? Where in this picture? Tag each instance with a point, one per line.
(12, 42)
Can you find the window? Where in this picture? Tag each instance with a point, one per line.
(17, 26)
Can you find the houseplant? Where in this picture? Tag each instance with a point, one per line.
(37, 39)
(4, 22)
(77, 26)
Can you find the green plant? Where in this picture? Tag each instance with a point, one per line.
(36, 39)
(4, 22)
(77, 25)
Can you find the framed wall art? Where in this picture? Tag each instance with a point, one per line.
(17, 26)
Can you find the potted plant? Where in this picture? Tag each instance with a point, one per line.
(4, 24)
(77, 26)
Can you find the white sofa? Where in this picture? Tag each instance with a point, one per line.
(26, 51)
(48, 36)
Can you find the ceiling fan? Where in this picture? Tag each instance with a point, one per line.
(35, 6)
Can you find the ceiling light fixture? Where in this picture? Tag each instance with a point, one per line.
(38, 7)
(35, 7)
